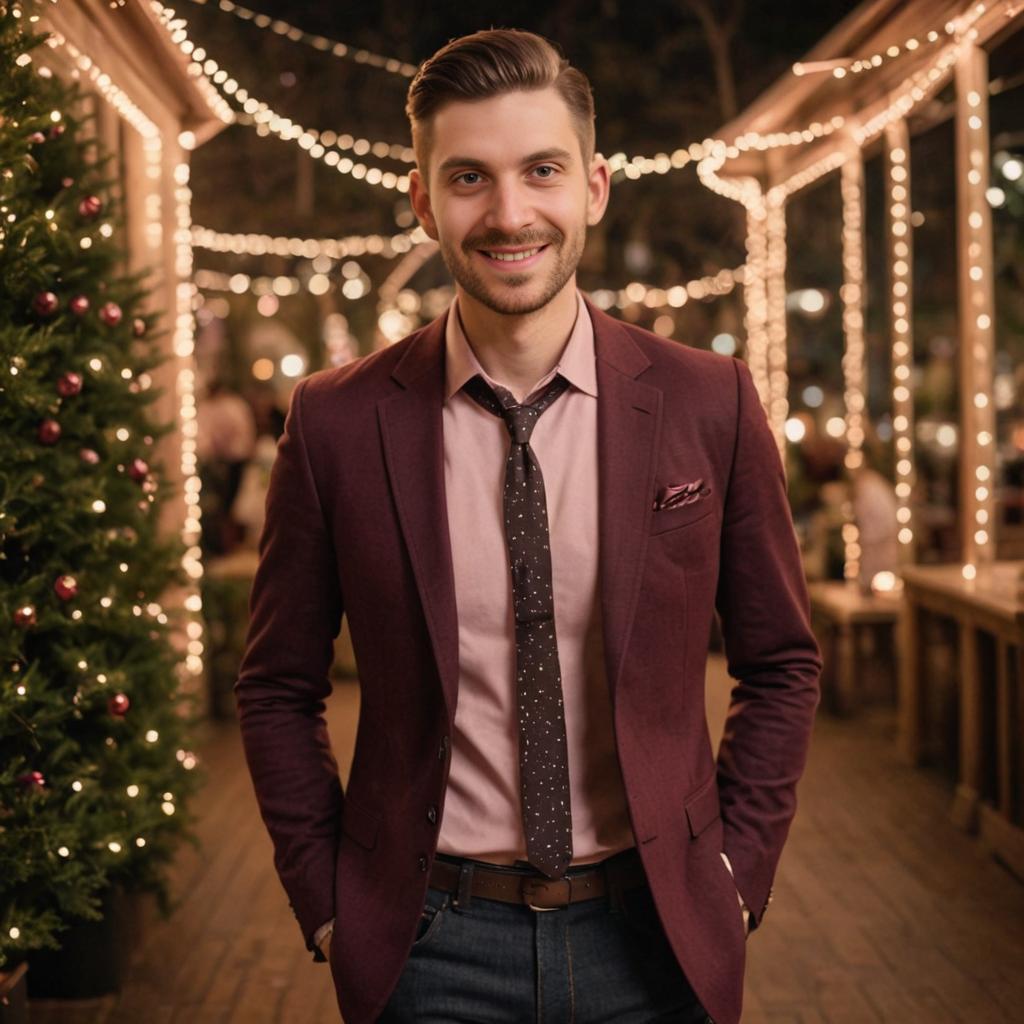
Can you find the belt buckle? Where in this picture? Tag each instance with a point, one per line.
(530, 886)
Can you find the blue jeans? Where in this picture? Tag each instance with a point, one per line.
(589, 963)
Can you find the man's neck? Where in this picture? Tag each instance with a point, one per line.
(517, 351)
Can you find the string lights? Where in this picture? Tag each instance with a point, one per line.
(321, 43)
(775, 294)
(184, 349)
(901, 281)
(281, 286)
(977, 312)
(324, 146)
(755, 297)
(852, 295)
(840, 67)
(386, 246)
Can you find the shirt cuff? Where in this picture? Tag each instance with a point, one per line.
(743, 906)
(323, 931)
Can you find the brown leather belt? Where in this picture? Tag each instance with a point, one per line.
(607, 878)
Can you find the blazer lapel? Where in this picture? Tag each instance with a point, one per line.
(412, 434)
(628, 431)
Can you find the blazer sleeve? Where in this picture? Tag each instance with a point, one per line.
(295, 612)
(771, 652)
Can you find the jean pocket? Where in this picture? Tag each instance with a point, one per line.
(432, 916)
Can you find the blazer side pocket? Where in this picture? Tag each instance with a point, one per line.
(702, 807)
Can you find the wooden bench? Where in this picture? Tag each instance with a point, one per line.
(841, 614)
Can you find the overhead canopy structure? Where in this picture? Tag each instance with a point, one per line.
(865, 86)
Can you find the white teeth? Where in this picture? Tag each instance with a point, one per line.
(509, 257)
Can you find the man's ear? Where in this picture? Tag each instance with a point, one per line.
(420, 199)
(598, 188)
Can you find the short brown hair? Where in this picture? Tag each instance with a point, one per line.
(489, 63)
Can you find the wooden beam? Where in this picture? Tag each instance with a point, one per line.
(976, 312)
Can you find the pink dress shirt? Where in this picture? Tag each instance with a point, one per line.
(482, 815)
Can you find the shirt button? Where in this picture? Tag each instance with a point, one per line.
(432, 815)
(422, 863)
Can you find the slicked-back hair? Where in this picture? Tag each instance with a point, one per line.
(490, 63)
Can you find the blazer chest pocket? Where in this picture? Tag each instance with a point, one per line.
(676, 517)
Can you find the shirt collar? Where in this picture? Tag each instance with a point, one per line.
(576, 362)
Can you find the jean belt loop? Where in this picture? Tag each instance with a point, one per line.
(464, 894)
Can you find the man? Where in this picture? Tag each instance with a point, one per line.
(529, 512)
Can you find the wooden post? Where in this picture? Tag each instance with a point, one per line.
(755, 297)
(852, 185)
(910, 675)
(901, 332)
(965, 803)
(976, 311)
(775, 288)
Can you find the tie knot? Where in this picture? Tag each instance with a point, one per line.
(520, 419)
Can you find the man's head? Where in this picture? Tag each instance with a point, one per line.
(506, 179)
(490, 63)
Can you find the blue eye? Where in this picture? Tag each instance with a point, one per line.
(464, 178)
(545, 167)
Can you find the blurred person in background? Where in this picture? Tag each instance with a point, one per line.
(224, 445)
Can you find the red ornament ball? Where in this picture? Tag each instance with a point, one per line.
(69, 384)
(90, 206)
(88, 456)
(138, 469)
(66, 587)
(49, 431)
(67, 182)
(32, 780)
(25, 616)
(79, 305)
(36, 137)
(56, 131)
(110, 314)
(119, 704)
(138, 327)
(45, 304)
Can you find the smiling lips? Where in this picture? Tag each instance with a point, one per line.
(520, 256)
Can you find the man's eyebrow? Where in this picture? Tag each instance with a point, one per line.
(554, 153)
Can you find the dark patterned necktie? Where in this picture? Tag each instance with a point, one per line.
(543, 757)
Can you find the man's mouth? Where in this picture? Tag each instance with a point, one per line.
(512, 256)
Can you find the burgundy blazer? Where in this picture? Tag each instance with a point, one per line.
(356, 522)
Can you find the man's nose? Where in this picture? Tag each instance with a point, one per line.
(510, 210)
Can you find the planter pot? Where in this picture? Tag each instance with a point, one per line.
(14, 996)
(94, 955)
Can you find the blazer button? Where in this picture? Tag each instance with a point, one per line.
(422, 862)
(432, 815)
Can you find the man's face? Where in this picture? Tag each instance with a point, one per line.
(507, 196)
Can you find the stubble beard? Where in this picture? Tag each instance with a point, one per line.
(566, 253)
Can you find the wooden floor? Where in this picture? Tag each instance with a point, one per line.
(883, 910)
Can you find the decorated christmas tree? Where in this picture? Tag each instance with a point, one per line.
(95, 770)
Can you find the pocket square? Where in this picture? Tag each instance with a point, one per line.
(673, 495)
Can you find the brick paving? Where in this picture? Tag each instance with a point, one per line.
(883, 912)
